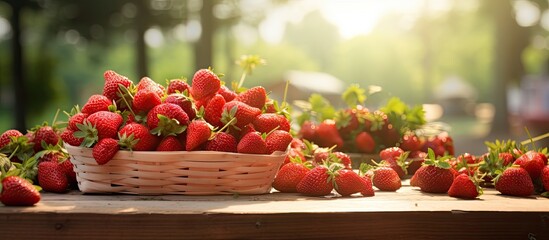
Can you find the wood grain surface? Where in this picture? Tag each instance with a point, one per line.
(405, 214)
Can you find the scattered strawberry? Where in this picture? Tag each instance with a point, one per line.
(365, 143)
(17, 191)
(410, 142)
(435, 175)
(545, 177)
(52, 177)
(289, 176)
(105, 150)
(317, 182)
(386, 179)
(68, 168)
(464, 186)
(44, 135)
(532, 162)
(515, 181)
(348, 182)
(390, 153)
(5, 138)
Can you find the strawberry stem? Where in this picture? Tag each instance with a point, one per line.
(124, 99)
(535, 139)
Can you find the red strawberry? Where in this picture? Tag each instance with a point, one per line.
(506, 158)
(349, 182)
(327, 135)
(44, 134)
(105, 150)
(365, 143)
(167, 119)
(293, 154)
(105, 123)
(214, 109)
(410, 142)
(222, 142)
(289, 176)
(464, 187)
(68, 137)
(415, 160)
(144, 100)
(390, 153)
(243, 113)
(178, 86)
(170, 143)
(112, 81)
(134, 136)
(347, 121)
(228, 94)
(532, 162)
(386, 179)
(266, 122)
(317, 182)
(205, 84)
(515, 181)
(96, 103)
(68, 169)
(398, 165)
(467, 158)
(254, 97)
(368, 190)
(5, 138)
(308, 131)
(17, 191)
(545, 177)
(75, 119)
(148, 84)
(344, 159)
(184, 101)
(198, 132)
(278, 140)
(252, 143)
(435, 175)
(52, 178)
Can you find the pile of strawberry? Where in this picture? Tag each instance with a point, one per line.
(34, 157)
(204, 116)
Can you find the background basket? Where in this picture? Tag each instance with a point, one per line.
(189, 173)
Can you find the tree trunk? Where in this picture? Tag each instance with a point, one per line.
(18, 77)
(510, 41)
(141, 46)
(203, 48)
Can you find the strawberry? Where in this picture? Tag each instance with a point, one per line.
(99, 125)
(112, 82)
(266, 122)
(317, 182)
(532, 162)
(308, 131)
(222, 142)
(204, 84)
(467, 158)
(148, 84)
(289, 176)
(144, 100)
(178, 86)
(253, 143)
(416, 159)
(75, 119)
(68, 168)
(105, 150)
(435, 175)
(464, 187)
(243, 113)
(228, 94)
(255, 97)
(347, 121)
(170, 143)
(294, 153)
(278, 140)
(44, 134)
(514, 181)
(134, 136)
(344, 159)
(184, 101)
(399, 165)
(52, 178)
(68, 137)
(386, 179)
(506, 158)
(17, 191)
(214, 109)
(410, 142)
(390, 153)
(327, 134)
(167, 119)
(545, 177)
(96, 103)
(368, 190)
(198, 132)
(348, 182)
(365, 143)
(6, 137)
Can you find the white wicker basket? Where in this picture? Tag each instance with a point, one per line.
(182, 172)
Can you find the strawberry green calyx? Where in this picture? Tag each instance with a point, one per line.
(229, 117)
(354, 95)
(88, 132)
(168, 127)
(127, 142)
(440, 162)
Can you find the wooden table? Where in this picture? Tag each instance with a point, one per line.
(405, 214)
